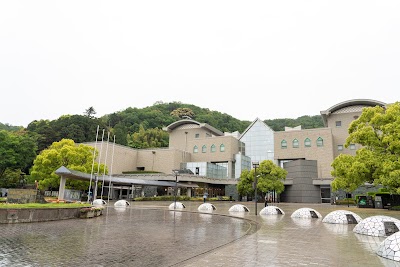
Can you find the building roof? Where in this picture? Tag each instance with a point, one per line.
(355, 102)
(176, 124)
(71, 174)
(251, 125)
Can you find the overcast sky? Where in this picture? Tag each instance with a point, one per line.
(249, 59)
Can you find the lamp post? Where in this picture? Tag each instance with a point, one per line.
(176, 172)
(255, 165)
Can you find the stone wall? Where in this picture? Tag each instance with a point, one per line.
(24, 196)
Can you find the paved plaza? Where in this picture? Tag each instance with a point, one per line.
(148, 234)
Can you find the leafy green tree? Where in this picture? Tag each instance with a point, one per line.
(148, 138)
(182, 113)
(17, 151)
(270, 178)
(90, 112)
(64, 153)
(378, 131)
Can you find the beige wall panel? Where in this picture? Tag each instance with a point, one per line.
(323, 155)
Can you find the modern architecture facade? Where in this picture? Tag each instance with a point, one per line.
(214, 160)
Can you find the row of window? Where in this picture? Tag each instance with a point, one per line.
(307, 143)
(213, 148)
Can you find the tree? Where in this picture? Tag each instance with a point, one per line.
(17, 151)
(378, 131)
(182, 113)
(148, 138)
(90, 112)
(64, 153)
(269, 175)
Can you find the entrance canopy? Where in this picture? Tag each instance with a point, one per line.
(65, 173)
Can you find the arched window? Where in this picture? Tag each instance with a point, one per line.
(307, 142)
(213, 148)
(222, 148)
(283, 144)
(320, 141)
(195, 149)
(203, 149)
(295, 143)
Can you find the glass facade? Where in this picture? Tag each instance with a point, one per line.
(210, 170)
(259, 140)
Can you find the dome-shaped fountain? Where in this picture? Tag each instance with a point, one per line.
(342, 217)
(177, 206)
(99, 202)
(271, 210)
(121, 203)
(378, 225)
(239, 208)
(390, 247)
(306, 213)
(206, 207)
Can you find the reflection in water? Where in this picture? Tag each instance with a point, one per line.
(306, 222)
(166, 238)
(271, 219)
(341, 229)
(369, 242)
(120, 209)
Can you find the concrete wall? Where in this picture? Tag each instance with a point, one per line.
(37, 215)
(302, 172)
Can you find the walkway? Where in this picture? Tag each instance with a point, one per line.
(148, 234)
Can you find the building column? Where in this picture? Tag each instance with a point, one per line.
(61, 189)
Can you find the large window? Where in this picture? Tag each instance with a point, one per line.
(307, 142)
(320, 142)
(222, 148)
(204, 149)
(195, 149)
(213, 148)
(295, 143)
(283, 144)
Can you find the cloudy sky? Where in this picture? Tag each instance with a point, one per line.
(249, 59)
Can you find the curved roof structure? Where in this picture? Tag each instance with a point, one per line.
(179, 123)
(354, 102)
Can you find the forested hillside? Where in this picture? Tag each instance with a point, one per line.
(142, 128)
(134, 127)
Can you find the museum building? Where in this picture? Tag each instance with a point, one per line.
(212, 160)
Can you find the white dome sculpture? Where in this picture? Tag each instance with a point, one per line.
(238, 208)
(99, 202)
(378, 225)
(342, 217)
(206, 207)
(306, 213)
(271, 210)
(390, 247)
(179, 206)
(121, 203)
